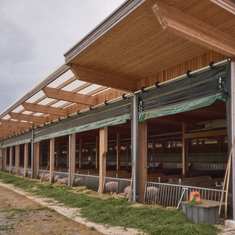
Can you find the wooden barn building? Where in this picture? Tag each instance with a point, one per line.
(146, 99)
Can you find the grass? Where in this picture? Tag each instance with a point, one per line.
(115, 211)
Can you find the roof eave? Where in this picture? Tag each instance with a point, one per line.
(108, 23)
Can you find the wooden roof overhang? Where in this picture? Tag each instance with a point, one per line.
(143, 38)
(140, 39)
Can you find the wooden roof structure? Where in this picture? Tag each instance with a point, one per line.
(142, 42)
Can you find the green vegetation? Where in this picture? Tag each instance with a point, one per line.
(193, 202)
(115, 211)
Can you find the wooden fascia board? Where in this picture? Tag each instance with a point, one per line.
(44, 109)
(194, 30)
(69, 96)
(205, 134)
(103, 79)
(10, 128)
(15, 123)
(28, 117)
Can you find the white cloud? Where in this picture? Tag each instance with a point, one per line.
(35, 35)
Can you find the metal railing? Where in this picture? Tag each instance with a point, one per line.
(90, 181)
(171, 195)
(6, 168)
(20, 171)
(117, 185)
(13, 170)
(42, 171)
(195, 183)
(60, 175)
(209, 166)
(28, 172)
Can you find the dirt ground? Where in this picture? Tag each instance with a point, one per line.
(20, 215)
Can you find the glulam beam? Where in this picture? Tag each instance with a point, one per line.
(44, 109)
(194, 30)
(103, 79)
(26, 117)
(69, 96)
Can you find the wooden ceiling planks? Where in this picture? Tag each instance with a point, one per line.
(137, 47)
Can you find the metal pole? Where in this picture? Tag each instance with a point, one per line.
(69, 158)
(15, 154)
(232, 172)
(1, 155)
(32, 154)
(135, 147)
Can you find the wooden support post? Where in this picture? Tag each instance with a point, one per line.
(26, 157)
(184, 150)
(52, 158)
(10, 158)
(103, 151)
(57, 154)
(118, 150)
(4, 159)
(17, 160)
(1, 156)
(67, 164)
(72, 157)
(80, 153)
(97, 152)
(40, 155)
(36, 152)
(143, 149)
(48, 152)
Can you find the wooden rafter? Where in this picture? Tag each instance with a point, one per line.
(4, 132)
(44, 109)
(194, 30)
(15, 123)
(69, 96)
(10, 128)
(25, 117)
(104, 79)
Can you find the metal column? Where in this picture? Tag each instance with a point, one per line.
(230, 133)
(135, 147)
(69, 158)
(1, 155)
(32, 153)
(15, 154)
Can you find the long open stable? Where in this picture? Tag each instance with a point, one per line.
(143, 107)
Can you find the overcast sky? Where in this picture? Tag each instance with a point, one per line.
(34, 35)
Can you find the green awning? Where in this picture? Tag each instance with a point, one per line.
(180, 107)
(91, 126)
(25, 141)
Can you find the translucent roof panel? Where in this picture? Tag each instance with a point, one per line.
(61, 79)
(27, 112)
(89, 89)
(35, 97)
(73, 85)
(68, 105)
(100, 91)
(38, 114)
(6, 117)
(59, 103)
(46, 101)
(18, 109)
